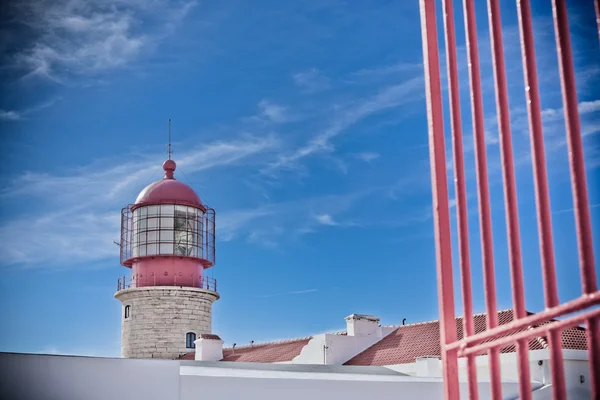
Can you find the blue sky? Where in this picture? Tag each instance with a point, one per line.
(302, 124)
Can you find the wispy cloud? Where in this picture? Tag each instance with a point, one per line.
(274, 112)
(60, 236)
(389, 97)
(367, 156)
(586, 107)
(557, 114)
(271, 224)
(571, 210)
(386, 70)
(79, 222)
(81, 38)
(294, 292)
(20, 115)
(9, 115)
(325, 219)
(311, 81)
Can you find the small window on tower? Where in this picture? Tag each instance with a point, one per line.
(127, 311)
(190, 338)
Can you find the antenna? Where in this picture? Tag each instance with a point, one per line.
(169, 145)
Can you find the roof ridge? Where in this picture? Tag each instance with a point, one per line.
(456, 318)
(345, 332)
(541, 339)
(268, 343)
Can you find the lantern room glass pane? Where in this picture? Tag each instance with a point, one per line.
(151, 249)
(166, 209)
(168, 229)
(166, 248)
(184, 227)
(152, 237)
(166, 236)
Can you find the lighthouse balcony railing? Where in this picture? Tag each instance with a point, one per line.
(137, 280)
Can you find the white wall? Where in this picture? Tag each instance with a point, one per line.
(333, 349)
(43, 377)
(48, 377)
(241, 383)
(575, 365)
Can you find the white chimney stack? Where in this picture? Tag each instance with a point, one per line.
(428, 366)
(361, 325)
(209, 347)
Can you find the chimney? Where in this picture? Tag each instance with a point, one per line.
(428, 366)
(209, 347)
(361, 325)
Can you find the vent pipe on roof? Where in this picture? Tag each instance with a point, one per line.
(403, 321)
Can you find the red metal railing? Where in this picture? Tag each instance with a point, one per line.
(203, 282)
(496, 337)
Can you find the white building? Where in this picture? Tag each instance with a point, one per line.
(170, 352)
(368, 360)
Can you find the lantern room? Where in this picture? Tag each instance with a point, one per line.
(168, 235)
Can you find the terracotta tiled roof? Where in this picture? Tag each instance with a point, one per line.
(266, 352)
(423, 339)
(402, 346)
(272, 352)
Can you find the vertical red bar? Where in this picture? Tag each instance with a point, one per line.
(574, 143)
(485, 218)
(577, 168)
(593, 340)
(510, 191)
(557, 369)
(541, 184)
(460, 188)
(439, 185)
(597, 7)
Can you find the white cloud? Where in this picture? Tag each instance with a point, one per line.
(389, 97)
(9, 115)
(557, 114)
(293, 292)
(367, 156)
(311, 81)
(271, 224)
(60, 237)
(491, 137)
(325, 219)
(81, 217)
(386, 70)
(20, 115)
(274, 112)
(586, 107)
(571, 210)
(76, 37)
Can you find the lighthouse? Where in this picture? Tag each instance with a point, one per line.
(168, 242)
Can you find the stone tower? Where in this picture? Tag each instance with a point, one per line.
(168, 241)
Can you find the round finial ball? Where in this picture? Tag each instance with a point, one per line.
(169, 165)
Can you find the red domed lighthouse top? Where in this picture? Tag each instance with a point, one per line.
(168, 190)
